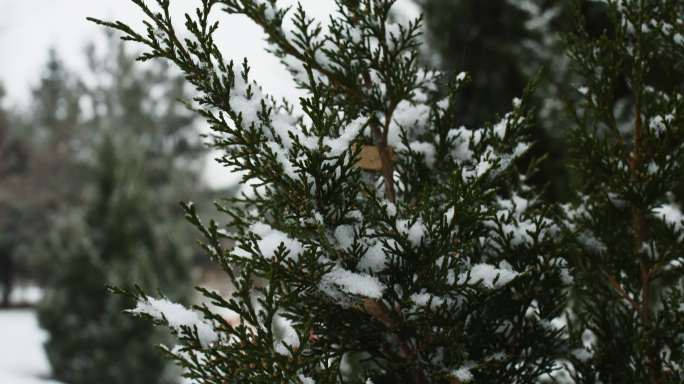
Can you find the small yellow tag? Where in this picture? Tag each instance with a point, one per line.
(369, 158)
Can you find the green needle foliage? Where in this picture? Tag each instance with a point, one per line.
(438, 268)
(628, 316)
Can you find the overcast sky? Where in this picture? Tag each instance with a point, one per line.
(28, 28)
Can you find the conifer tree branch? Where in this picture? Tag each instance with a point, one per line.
(382, 278)
(639, 221)
(621, 291)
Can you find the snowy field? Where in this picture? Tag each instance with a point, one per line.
(22, 360)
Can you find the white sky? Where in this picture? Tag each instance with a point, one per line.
(28, 28)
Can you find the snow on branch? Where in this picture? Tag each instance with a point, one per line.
(177, 317)
(340, 282)
(489, 275)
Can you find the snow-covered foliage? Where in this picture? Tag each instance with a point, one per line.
(177, 317)
(625, 225)
(420, 272)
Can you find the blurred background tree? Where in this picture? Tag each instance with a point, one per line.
(38, 172)
(12, 165)
(504, 45)
(128, 153)
(51, 181)
(114, 239)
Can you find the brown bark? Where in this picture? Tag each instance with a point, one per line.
(639, 232)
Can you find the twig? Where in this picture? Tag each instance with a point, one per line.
(621, 291)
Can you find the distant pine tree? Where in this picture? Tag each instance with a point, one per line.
(115, 241)
(12, 166)
(137, 158)
(381, 242)
(35, 159)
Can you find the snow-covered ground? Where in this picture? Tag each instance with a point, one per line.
(22, 359)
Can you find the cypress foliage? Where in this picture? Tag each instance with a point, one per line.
(627, 318)
(381, 242)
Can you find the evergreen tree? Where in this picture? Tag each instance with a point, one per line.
(382, 243)
(137, 158)
(147, 103)
(115, 241)
(36, 156)
(12, 159)
(627, 321)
